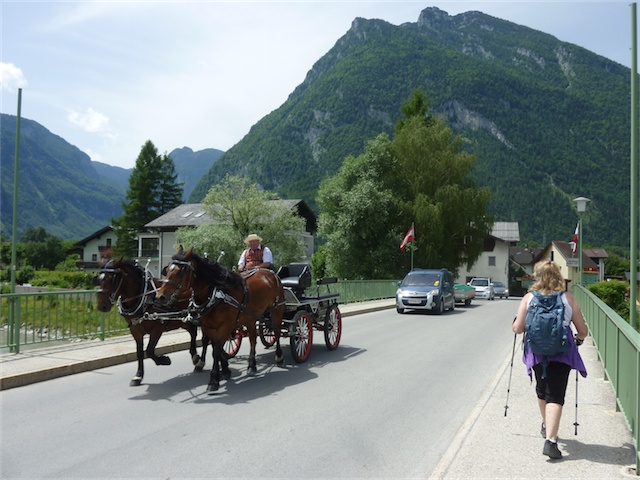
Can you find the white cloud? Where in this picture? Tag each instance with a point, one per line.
(11, 77)
(91, 121)
(95, 156)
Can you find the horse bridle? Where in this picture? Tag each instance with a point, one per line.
(178, 285)
(117, 300)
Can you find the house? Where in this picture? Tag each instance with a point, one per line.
(494, 260)
(597, 255)
(94, 248)
(156, 249)
(522, 258)
(562, 254)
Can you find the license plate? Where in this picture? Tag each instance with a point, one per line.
(414, 301)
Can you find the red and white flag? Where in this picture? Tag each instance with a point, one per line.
(407, 238)
(574, 246)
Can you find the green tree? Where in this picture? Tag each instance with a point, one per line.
(237, 208)
(41, 249)
(359, 215)
(152, 191)
(422, 176)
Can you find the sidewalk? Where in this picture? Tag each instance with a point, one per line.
(488, 445)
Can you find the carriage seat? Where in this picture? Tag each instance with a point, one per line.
(296, 276)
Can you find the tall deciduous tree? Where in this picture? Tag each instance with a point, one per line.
(237, 208)
(153, 191)
(422, 176)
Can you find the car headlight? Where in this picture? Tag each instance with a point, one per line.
(435, 291)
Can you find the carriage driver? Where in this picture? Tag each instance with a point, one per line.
(256, 256)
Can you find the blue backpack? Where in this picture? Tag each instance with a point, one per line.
(546, 328)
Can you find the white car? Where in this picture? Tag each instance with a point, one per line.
(484, 287)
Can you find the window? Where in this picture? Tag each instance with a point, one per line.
(94, 257)
(108, 242)
(492, 261)
(150, 247)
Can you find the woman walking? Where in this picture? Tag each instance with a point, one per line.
(552, 373)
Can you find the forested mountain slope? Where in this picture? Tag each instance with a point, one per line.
(547, 120)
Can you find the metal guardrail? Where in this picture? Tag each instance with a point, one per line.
(619, 350)
(43, 317)
(352, 291)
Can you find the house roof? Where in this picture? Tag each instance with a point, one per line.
(97, 234)
(565, 249)
(524, 255)
(595, 253)
(194, 214)
(506, 231)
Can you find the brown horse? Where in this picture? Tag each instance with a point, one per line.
(226, 301)
(132, 288)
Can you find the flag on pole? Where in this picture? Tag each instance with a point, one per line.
(574, 246)
(407, 238)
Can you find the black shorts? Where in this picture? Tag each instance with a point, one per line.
(552, 388)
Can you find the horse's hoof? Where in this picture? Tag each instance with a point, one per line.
(279, 360)
(212, 388)
(196, 360)
(164, 360)
(251, 371)
(199, 366)
(135, 382)
(225, 375)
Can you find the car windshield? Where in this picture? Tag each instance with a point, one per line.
(423, 279)
(498, 284)
(480, 282)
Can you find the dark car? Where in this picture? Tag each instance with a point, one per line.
(423, 289)
(500, 290)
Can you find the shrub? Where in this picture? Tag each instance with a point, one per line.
(614, 294)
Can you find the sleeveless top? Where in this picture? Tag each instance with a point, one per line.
(571, 357)
(253, 257)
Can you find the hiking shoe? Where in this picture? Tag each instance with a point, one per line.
(551, 450)
(543, 430)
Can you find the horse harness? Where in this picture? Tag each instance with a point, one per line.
(216, 297)
(132, 314)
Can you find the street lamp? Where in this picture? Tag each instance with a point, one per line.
(581, 204)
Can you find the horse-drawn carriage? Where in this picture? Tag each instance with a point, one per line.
(226, 305)
(304, 313)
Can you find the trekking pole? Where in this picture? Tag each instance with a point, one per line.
(513, 353)
(575, 424)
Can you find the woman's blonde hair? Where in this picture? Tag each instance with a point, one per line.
(547, 278)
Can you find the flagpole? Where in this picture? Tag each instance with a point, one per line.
(412, 243)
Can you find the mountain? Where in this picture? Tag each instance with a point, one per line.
(547, 120)
(58, 186)
(191, 166)
(62, 190)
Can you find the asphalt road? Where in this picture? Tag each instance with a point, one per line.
(386, 404)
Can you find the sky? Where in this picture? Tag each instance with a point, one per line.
(108, 76)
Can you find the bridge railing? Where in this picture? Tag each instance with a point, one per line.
(44, 317)
(619, 350)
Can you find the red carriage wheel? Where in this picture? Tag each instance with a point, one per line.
(302, 336)
(332, 327)
(267, 336)
(232, 345)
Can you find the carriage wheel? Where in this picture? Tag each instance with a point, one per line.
(267, 335)
(302, 337)
(332, 327)
(232, 345)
